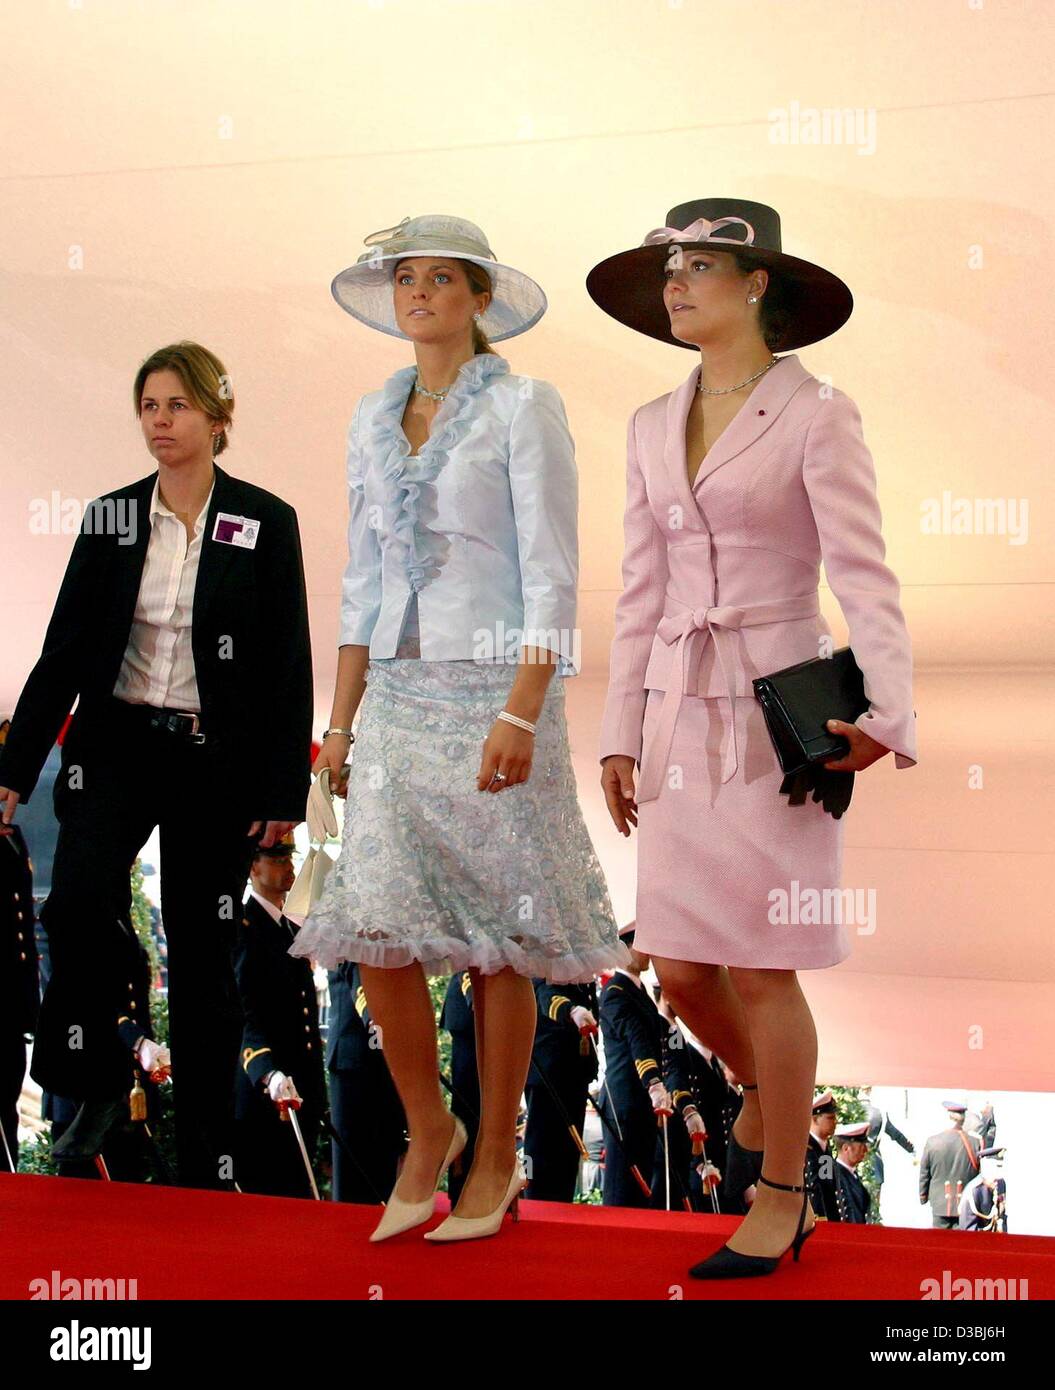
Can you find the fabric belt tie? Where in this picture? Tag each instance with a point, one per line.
(720, 623)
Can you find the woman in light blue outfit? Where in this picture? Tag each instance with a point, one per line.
(464, 846)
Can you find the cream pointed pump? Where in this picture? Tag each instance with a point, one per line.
(472, 1227)
(402, 1216)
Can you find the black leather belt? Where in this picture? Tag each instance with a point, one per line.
(177, 723)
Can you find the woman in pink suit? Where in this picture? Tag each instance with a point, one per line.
(739, 484)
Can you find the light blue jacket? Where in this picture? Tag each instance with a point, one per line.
(482, 525)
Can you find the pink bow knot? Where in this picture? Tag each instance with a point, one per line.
(701, 230)
(719, 625)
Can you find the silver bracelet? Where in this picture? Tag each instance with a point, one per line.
(345, 733)
(515, 719)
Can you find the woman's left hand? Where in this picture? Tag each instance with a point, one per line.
(864, 750)
(507, 750)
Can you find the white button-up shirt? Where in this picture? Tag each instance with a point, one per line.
(158, 664)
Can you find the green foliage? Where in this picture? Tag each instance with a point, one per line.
(437, 989)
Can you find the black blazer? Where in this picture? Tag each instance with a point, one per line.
(557, 1047)
(252, 651)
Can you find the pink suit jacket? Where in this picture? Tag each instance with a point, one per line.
(720, 579)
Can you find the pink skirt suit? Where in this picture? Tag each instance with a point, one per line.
(720, 586)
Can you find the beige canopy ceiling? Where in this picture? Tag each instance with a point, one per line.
(203, 169)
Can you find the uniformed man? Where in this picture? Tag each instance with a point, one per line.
(366, 1110)
(459, 1020)
(950, 1161)
(983, 1206)
(851, 1195)
(700, 1093)
(635, 1099)
(563, 1063)
(19, 987)
(880, 1123)
(982, 1124)
(107, 1135)
(820, 1161)
(281, 1065)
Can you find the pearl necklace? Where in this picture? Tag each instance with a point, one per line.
(432, 395)
(726, 390)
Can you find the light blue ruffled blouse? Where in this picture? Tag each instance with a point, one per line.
(481, 524)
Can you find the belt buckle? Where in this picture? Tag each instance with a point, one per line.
(194, 736)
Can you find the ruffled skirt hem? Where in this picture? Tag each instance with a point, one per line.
(450, 956)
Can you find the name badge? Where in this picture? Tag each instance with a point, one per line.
(236, 530)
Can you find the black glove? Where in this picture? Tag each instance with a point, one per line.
(832, 789)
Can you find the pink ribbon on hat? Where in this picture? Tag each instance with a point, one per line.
(701, 230)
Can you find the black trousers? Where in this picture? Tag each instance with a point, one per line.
(465, 1103)
(367, 1113)
(12, 1073)
(268, 1159)
(119, 780)
(553, 1155)
(619, 1187)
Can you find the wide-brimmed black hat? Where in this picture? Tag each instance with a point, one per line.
(629, 285)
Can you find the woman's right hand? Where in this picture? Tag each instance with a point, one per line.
(332, 756)
(617, 782)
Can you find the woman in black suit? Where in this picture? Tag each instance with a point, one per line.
(181, 630)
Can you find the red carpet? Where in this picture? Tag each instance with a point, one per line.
(181, 1243)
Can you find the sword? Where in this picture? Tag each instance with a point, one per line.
(666, 1160)
(634, 1169)
(10, 1160)
(708, 1183)
(292, 1114)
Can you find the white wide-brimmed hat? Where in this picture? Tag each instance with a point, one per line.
(365, 289)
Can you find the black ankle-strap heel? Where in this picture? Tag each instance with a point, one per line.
(730, 1264)
(800, 1235)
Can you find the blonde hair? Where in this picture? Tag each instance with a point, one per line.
(205, 380)
(479, 283)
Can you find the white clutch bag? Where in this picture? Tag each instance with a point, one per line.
(322, 823)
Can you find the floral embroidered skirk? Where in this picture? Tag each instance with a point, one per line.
(431, 869)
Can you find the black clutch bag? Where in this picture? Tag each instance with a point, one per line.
(797, 703)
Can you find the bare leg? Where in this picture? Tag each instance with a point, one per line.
(784, 1043)
(505, 1021)
(400, 1004)
(703, 997)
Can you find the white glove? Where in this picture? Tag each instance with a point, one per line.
(155, 1059)
(322, 823)
(308, 885)
(709, 1175)
(282, 1091)
(660, 1098)
(583, 1019)
(694, 1122)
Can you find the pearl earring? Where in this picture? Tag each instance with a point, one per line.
(476, 315)
(752, 299)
